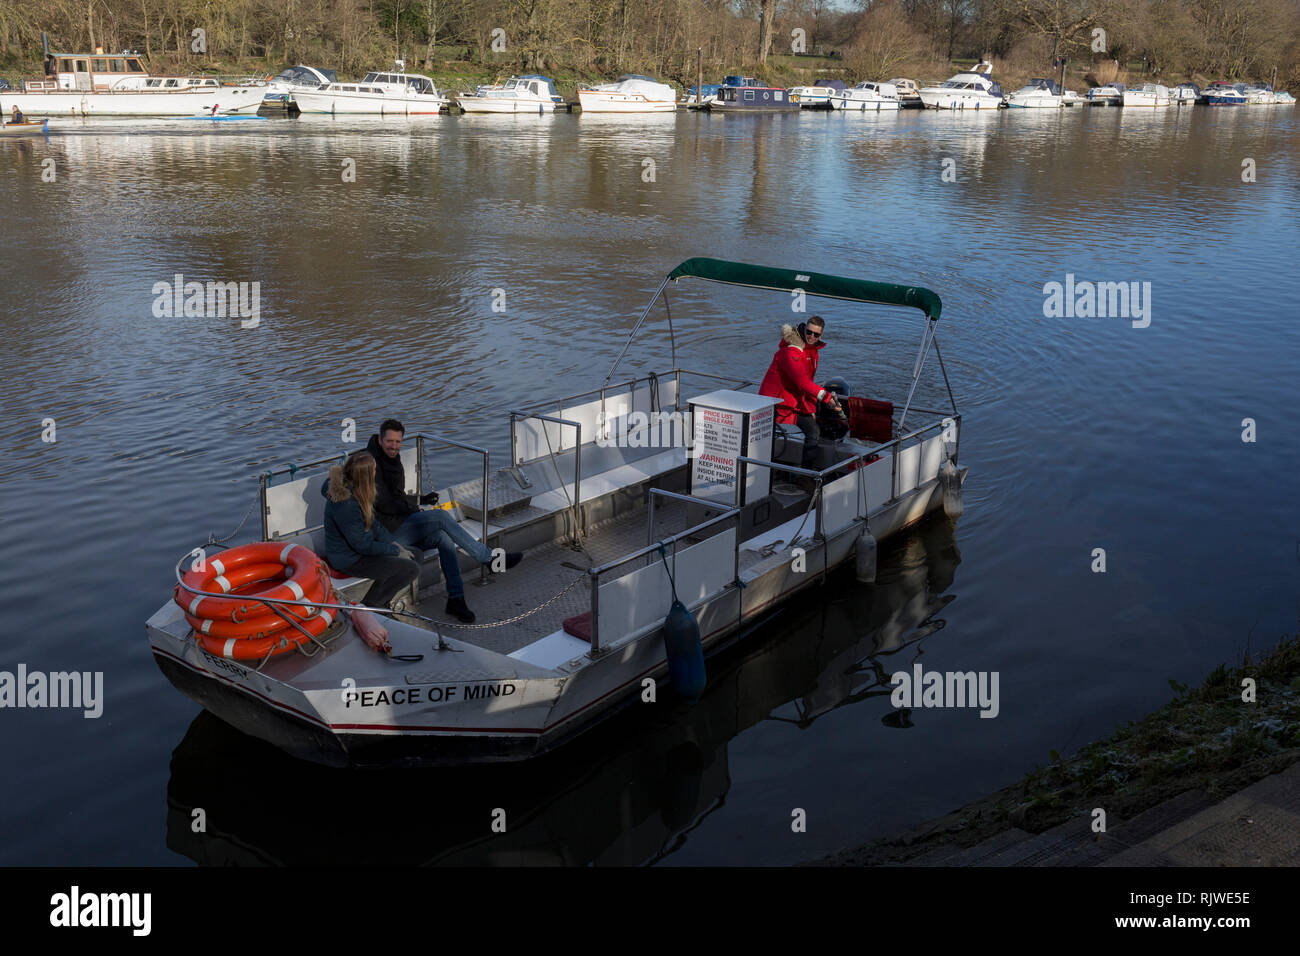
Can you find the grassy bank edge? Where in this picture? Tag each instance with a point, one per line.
(1208, 738)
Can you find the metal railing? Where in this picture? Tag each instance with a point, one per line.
(576, 504)
(420, 439)
(595, 573)
(892, 447)
(288, 470)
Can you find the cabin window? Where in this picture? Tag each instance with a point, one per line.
(117, 66)
(778, 96)
(537, 90)
(171, 83)
(83, 66)
(749, 94)
(99, 66)
(133, 66)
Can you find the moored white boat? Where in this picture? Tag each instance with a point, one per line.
(280, 89)
(867, 97)
(816, 97)
(1038, 93)
(630, 94)
(1185, 94)
(82, 84)
(727, 540)
(1149, 94)
(1109, 94)
(1285, 99)
(1257, 94)
(395, 93)
(519, 94)
(973, 90)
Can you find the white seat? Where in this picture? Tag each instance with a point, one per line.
(593, 486)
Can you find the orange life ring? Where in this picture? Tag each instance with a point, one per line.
(257, 647)
(244, 629)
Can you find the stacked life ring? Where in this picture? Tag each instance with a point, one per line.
(239, 628)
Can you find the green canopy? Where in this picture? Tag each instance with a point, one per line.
(812, 283)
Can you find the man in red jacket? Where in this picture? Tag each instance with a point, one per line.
(791, 378)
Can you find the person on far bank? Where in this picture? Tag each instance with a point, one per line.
(355, 542)
(792, 378)
(400, 514)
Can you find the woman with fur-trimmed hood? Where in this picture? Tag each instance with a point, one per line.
(356, 542)
(791, 378)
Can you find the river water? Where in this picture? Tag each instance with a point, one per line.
(378, 245)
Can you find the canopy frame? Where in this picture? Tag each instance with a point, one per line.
(816, 284)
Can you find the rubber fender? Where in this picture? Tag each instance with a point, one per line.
(685, 652)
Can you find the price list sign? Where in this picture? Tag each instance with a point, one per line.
(717, 435)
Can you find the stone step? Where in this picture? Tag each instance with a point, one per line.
(1258, 826)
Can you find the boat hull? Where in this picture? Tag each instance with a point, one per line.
(855, 105)
(1038, 101)
(951, 101)
(24, 129)
(369, 104)
(477, 706)
(190, 102)
(494, 104)
(722, 106)
(595, 101)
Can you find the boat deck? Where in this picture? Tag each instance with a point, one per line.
(545, 572)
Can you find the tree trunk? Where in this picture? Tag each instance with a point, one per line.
(766, 13)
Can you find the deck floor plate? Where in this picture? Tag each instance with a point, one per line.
(542, 574)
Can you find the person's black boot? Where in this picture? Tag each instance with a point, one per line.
(512, 558)
(458, 609)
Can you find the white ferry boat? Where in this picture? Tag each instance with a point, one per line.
(396, 93)
(519, 94)
(973, 90)
(629, 94)
(722, 533)
(85, 84)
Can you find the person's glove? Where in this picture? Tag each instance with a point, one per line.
(430, 498)
(414, 554)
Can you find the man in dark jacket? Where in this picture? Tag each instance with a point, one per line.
(400, 513)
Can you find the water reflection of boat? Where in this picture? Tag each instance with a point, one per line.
(630, 794)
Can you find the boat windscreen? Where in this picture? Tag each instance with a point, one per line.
(812, 283)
